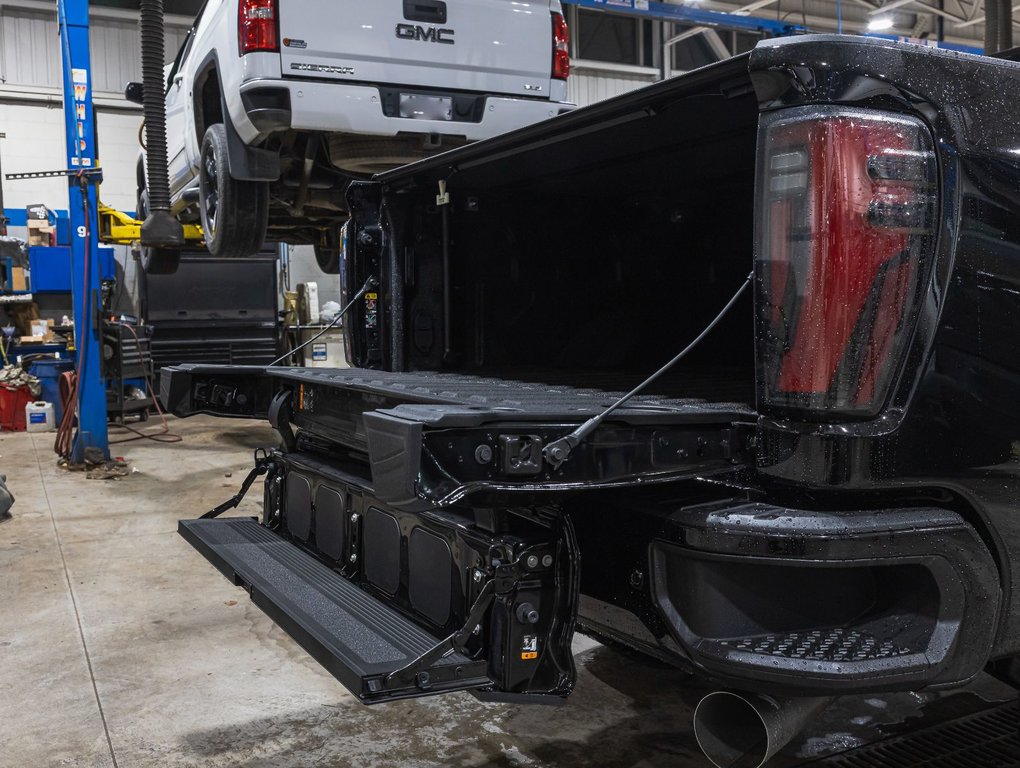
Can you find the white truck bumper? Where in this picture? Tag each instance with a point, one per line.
(343, 108)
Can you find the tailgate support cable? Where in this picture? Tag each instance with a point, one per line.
(558, 451)
(262, 464)
(455, 642)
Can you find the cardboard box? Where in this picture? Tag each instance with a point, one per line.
(23, 314)
(40, 327)
(18, 281)
(40, 232)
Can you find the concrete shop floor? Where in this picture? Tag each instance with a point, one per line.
(121, 646)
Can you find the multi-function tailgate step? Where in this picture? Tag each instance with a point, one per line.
(357, 638)
(431, 439)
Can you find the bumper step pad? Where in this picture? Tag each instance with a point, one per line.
(356, 637)
(838, 644)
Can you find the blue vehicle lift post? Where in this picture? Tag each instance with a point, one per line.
(73, 19)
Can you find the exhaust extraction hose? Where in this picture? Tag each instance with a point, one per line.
(159, 228)
(153, 54)
(993, 21)
(1005, 25)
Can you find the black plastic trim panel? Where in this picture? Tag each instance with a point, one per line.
(805, 600)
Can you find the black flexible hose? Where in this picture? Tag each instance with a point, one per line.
(153, 107)
(992, 18)
(1005, 25)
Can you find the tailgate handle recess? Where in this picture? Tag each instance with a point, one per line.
(429, 11)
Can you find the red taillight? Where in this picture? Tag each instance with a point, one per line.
(561, 48)
(847, 207)
(256, 26)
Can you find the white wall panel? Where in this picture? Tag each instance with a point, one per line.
(29, 48)
(118, 155)
(587, 86)
(114, 47)
(116, 52)
(35, 142)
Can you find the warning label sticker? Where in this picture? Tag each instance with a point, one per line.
(529, 647)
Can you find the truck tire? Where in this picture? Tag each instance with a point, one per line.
(155, 261)
(327, 252)
(234, 213)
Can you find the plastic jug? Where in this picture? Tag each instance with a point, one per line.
(39, 417)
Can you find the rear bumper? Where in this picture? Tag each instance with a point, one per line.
(342, 108)
(769, 597)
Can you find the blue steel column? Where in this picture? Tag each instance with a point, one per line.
(81, 155)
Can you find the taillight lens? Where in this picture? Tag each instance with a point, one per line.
(847, 207)
(256, 26)
(561, 48)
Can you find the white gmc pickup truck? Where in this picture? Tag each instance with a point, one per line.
(273, 106)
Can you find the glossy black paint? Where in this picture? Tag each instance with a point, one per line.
(952, 426)
(465, 552)
(945, 447)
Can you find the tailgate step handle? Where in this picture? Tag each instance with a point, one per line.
(428, 11)
(360, 640)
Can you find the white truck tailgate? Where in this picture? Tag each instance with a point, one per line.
(492, 46)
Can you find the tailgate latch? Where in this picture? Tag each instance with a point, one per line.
(521, 454)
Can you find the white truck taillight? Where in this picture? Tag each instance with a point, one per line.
(256, 26)
(847, 208)
(561, 48)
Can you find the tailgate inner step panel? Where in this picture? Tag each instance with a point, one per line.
(356, 637)
(513, 399)
(417, 429)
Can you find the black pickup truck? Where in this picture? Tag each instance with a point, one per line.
(821, 497)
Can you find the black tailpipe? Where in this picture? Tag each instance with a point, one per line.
(159, 228)
(738, 730)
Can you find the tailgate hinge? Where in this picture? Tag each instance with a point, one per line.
(417, 670)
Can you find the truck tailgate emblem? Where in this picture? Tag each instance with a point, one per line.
(425, 34)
